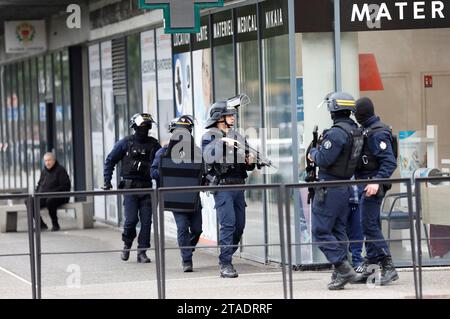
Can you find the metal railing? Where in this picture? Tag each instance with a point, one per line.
(284, 192)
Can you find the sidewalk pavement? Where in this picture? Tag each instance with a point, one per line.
(104, 275)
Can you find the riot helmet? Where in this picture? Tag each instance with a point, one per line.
(141, 120)
(222, 108)
(340, 101)
(184, 121)
(141, 123)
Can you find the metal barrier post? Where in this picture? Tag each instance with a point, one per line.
(156, 241)
(411, 228)
(418, 233)
(30, 211)
(37, 221)
(281, 193)
(162, 245)
(289, 240)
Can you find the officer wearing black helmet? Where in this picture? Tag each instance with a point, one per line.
(336, 156)
(179, 163)
(136, 153)
(227, 164)
(377, 161)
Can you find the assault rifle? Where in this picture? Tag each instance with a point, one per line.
(311, 167)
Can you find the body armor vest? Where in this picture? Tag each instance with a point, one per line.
(368, 162)
(139, 157)
(346, 163)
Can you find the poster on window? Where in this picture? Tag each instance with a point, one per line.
(148, 72)
(201, 68)
(182, 83)
(412, 152)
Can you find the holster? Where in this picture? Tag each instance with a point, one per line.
(320, 194)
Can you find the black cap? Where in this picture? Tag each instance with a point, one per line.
(364, 109)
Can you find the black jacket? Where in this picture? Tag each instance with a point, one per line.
(55, 179)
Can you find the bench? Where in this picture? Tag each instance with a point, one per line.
(84, 215)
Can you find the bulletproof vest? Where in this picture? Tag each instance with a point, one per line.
(181, 166)
(233, 160)
(368, 162)
(139, 157)
(346, 163)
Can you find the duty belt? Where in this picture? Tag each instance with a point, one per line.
(133, 183)
(231, 181)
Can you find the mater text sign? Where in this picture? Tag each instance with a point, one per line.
(372, 15)
(25, 36)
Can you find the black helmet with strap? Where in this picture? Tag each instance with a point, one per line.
(184, 121)
(140, 120)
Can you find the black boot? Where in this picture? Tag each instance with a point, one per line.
(43, 225)
(365, 270)
(142, 257)
(388, 272)
(56, 227)
(125, 253)
(342, 275)
(187, 266)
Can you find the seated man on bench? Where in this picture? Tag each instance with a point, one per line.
(54, 178)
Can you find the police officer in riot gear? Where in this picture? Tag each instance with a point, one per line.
(136, 153)
(180, 164)
(377, 161)
(226, 165)
(336, 157)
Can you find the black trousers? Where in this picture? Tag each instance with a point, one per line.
(52, 205)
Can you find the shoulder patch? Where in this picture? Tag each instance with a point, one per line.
(383, 145)
(327, 144)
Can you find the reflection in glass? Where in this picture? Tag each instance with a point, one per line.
(250, 122)
(224, 82)
(278, 125)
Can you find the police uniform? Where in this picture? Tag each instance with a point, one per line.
(336, 157)
(188, 214)
(136, 153)
(354, 229)
(378, 162)
(226, 165)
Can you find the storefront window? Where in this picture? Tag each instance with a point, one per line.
(35, 143)
(27, 128)
(96, 113)
(41, 110)
(109, 131)
(17, 124)
(165, 90)
(59, 110)
(67, 115)
(148, 71)
(277, 113)
(250, 122)
(2, 126)
(134, 74)
(223, 54)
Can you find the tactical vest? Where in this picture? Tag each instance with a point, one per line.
(232, 165)
(181, 168)
(139, 157)
(346, 163)
(368, 162)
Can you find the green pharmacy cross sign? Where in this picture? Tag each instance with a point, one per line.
(180, 16)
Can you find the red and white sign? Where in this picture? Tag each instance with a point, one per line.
(428, 81)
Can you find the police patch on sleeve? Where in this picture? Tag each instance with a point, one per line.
(383, 145)
(327, 144)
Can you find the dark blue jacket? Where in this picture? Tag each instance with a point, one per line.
(156, 161)
(331, 148)
(118, 153)
(380, 144)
